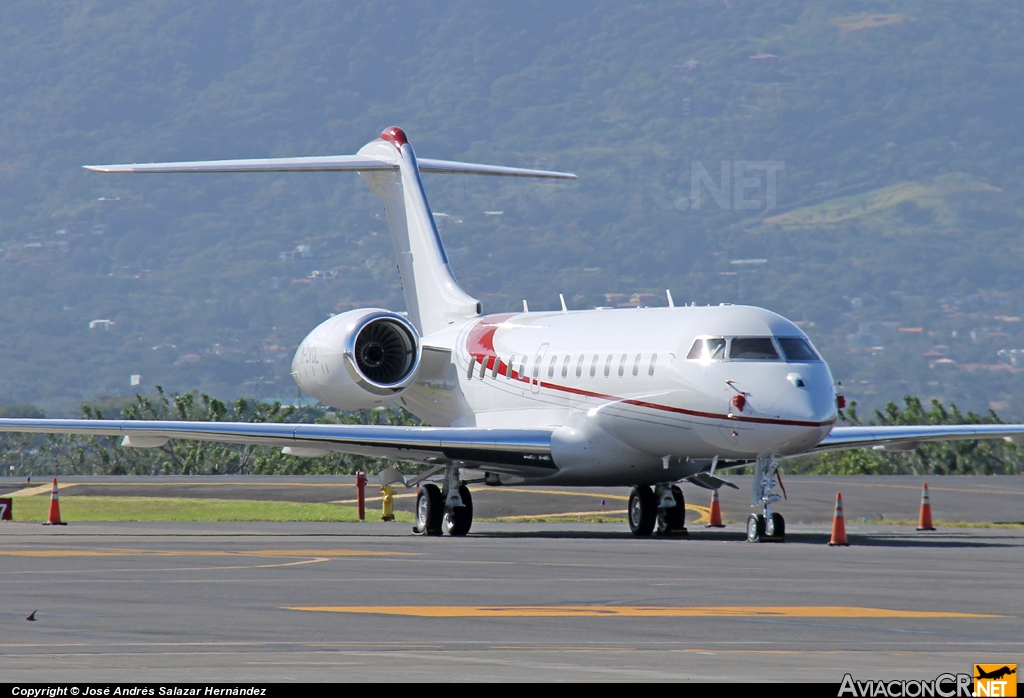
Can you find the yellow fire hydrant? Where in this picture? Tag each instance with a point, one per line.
(387, 493)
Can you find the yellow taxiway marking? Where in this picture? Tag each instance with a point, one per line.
(640, 611)
(560, 492)
(200, 553)
(562, 515)
(371, 499)
(41, 489)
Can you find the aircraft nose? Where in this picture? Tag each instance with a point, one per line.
(805, 404)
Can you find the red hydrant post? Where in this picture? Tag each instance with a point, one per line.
(361, 490)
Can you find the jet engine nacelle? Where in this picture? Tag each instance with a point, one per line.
(358, 360)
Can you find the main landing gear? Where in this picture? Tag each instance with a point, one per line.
(662, 509)
(770, 526)
(444, 511)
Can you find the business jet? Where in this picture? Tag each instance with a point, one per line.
(643, 397)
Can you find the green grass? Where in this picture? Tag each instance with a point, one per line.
(86, 508)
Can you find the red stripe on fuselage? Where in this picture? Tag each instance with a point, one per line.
(480, 341)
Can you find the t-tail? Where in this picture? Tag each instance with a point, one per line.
(390, 167)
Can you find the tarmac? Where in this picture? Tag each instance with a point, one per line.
(563, 601)
(809, 499)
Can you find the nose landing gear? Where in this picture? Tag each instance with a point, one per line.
(770, 526)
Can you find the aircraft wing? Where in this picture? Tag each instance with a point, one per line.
(526, 451)
(907, 438)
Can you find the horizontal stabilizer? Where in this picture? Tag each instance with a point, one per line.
(452, 167)
(325, 163)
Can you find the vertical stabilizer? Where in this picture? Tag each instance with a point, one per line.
(390, 167)
(433, 296)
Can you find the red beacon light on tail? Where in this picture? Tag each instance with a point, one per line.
(394, 136)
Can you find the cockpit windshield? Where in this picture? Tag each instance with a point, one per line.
(793, 349)
(753, 348)
(797, 350)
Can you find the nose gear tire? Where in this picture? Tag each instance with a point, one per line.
(755, 528)
(775, 527)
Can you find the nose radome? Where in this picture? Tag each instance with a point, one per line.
(803, 405)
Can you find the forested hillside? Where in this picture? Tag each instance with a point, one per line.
(893, 132)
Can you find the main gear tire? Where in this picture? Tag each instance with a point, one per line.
(429, 511)
(642, 511)
(458, 521)
(672, 520)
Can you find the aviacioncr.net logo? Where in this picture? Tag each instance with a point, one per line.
(942, 686)
(995, 680)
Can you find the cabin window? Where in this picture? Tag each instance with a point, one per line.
(608, 366)
(636, 365)
(508, 366)
(472, 367)
(551, 366)
(654, 360)
(494, 367)
(593, 366)
(536, 368)
(565, 366)
(483, 367)
(579, 366)
(797, 349)
(622, 365)
(753, 349)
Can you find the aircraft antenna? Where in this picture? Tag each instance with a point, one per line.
(526, 308)
(671, 303)
(561, 298)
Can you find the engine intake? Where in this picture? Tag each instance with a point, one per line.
(382, 350)
(385, 352)
(359, 360)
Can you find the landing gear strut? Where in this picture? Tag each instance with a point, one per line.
(448, 510)
(770, 526)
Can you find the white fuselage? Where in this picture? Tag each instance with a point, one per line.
(626, 403)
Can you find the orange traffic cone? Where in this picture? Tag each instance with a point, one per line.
(838, 523)
(55, 508)
(715, 517)
(924, 520)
